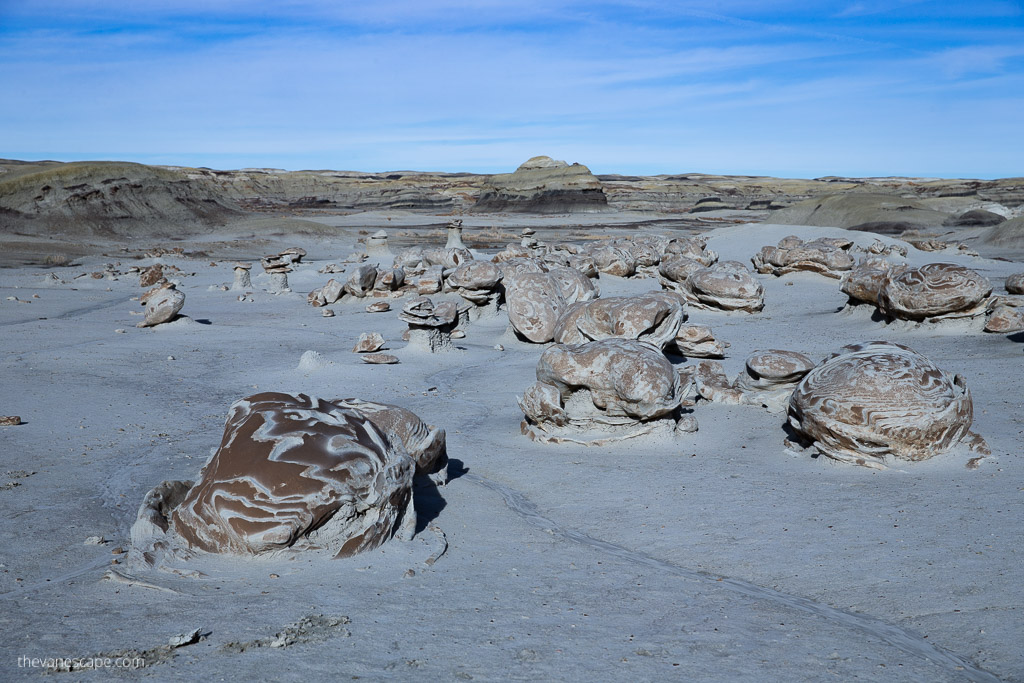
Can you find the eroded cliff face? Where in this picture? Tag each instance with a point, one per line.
(105, 199)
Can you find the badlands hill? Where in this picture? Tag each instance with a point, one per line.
(118, 199)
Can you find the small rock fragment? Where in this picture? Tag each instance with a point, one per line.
(379, 359)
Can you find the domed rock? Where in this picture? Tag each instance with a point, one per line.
(654, 318)
(793, 254)
(724, 287)
(873, 402)
(292, 471)
(934, 291)
(1015, 283)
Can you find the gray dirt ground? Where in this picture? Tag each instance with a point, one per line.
(719, 556)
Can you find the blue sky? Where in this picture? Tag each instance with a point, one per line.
(797, 89)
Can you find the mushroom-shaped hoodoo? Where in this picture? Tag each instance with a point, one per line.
(242, 281)
(377, 246)
(277, 268)
(430, 326)
(455, 235)
(478, 282)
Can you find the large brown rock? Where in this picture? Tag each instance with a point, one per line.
(877, 401)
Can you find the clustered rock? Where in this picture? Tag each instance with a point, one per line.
(768, 379)
(829, 256)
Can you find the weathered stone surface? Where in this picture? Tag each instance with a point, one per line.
(151, 275)
(543, 185)
(616, 385)
(361, 281)
(162, 305)
(534, 302)
(934, 291)
(698, 341)
(873, 402)
(654, 318)
(294, 471)
(768, 379)
(724, 287)
(1005, 319)
(369, 342)
(863, 283)
(379, 358)
(1015, 283)
(793, 254)
(613, 260)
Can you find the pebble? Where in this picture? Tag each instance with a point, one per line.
(10, 421)
(499, 347)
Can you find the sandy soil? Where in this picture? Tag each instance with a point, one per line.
(719, 556)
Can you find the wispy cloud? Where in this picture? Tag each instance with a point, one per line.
(631, 85)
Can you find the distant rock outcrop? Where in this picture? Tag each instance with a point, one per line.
(544, 185)
(869, 211)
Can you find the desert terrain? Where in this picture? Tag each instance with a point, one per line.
(724, 553)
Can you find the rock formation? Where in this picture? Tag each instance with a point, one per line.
(242, 281)
(654, 318)
(726, 286)
(430, 327)
(543, 185)
(698, 341)
(1015, 284)
(935, 291)
(479, 283)
(292, 471)
(162, 304)
(768, 379)
(601, 391)
(877, 401)
(828, 256)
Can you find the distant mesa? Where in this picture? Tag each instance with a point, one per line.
(544, 185)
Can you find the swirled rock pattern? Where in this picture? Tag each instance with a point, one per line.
(622, 386)
(830, 257)
(864, 282)
(296, 471)
(654, 318)
(873, 402)
(725, 286)
(934, 291)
